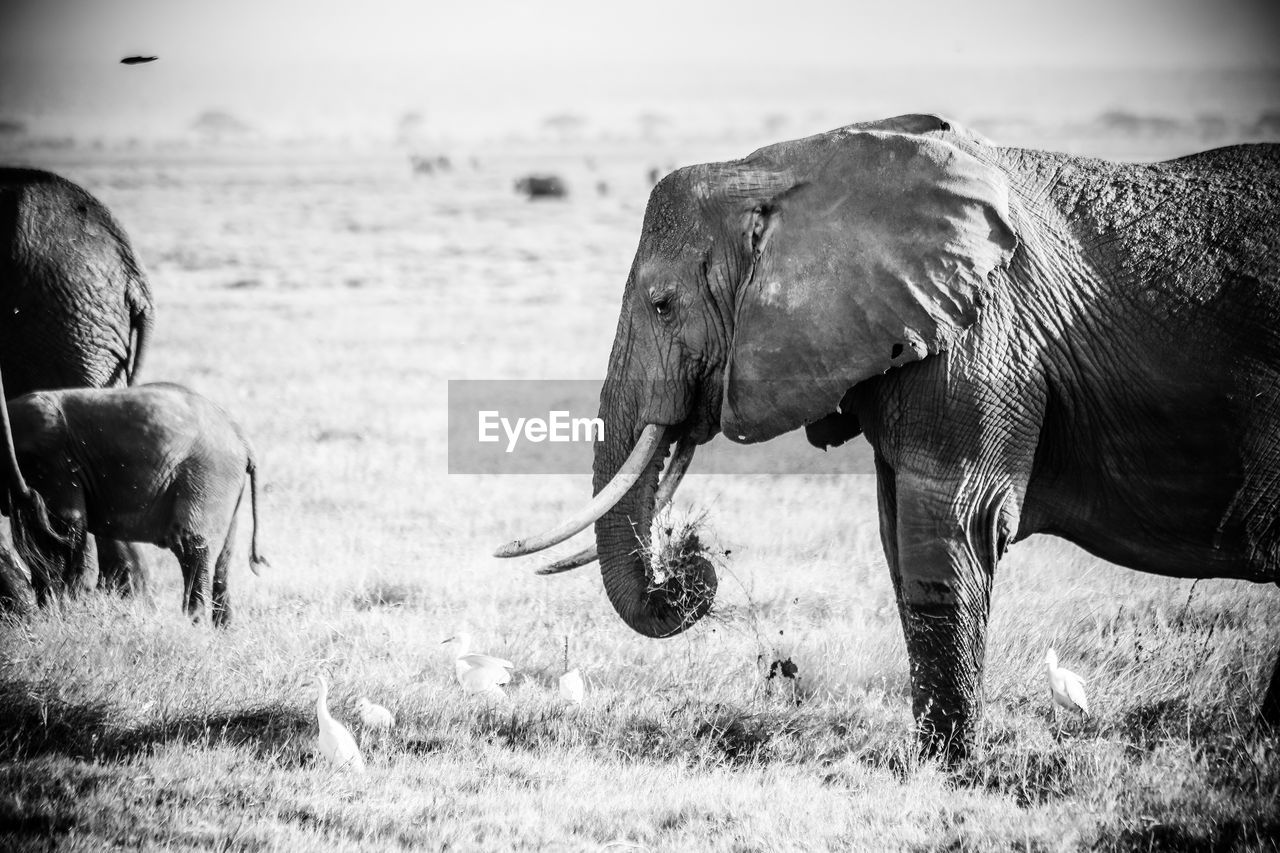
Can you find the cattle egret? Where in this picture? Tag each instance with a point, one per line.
(1065, 686)
(571, 687)
(336, 743)
(478, 673)
(373, 715)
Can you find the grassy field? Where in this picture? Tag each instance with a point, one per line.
(325, 301)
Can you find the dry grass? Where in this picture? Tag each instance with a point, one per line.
(124, 725)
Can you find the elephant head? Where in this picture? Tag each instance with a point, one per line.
(762, 291)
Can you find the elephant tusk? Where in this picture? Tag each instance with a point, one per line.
(628, 474)
(671, 478)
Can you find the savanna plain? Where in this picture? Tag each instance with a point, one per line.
(325, 297)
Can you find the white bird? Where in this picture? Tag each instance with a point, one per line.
(336, 743)
(478, 673)
(571, 687)
(1065, 686)
(373, 715)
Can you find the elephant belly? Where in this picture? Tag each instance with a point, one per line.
(131, 516)
(1198, 507)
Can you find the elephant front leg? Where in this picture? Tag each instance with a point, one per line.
(946, 555)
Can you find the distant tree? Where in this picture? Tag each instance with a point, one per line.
(773, 123)
(1267, 125)
(565, 125)
(652, 124)
(411, 127)
(217, 125)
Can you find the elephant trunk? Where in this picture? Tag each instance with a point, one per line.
(671, 477)
(650, 607)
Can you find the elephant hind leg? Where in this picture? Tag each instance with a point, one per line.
(192, 551)
(122, 567)
(221, 597)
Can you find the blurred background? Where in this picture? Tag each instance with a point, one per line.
(418, 73)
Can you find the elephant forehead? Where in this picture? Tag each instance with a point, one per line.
(673, 224)
(669, 264)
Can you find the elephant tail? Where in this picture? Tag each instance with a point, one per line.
(256, 560)
(141, 324)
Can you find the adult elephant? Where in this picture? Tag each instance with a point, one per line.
(1031, 342)
(75, 311)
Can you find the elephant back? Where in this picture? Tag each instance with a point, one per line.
(73, 297)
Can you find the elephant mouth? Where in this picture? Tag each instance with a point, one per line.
(650, 449)
(655, 443)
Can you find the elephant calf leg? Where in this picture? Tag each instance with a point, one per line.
(221, 596)
(192, 552)
(122, 567)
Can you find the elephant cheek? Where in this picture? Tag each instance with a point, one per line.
(757, 409)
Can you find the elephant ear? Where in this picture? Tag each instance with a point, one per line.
(876, 255)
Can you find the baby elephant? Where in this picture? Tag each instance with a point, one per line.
(150, 463)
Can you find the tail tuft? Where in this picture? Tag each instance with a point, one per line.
(256, 561)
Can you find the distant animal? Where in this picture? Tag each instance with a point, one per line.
(478, 673)
(1065, 687)
(542, 186)
(151, 463)
(424, 165)
(373, 715)
(336, 743)
(75, 312)
(138, 60)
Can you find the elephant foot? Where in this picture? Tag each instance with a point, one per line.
(947, 738)
(221, 615)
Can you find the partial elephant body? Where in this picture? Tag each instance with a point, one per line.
(75, 312)
(1120, 388)
(1031, 342)
(1167, 460)
(75, 307)
(153, 463)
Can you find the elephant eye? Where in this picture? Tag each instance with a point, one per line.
(663, 304)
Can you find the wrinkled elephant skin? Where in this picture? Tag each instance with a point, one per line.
(1031, 342)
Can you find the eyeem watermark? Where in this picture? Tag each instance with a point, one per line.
(558, 426)
(552, 426)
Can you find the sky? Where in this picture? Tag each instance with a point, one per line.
(307, 62)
